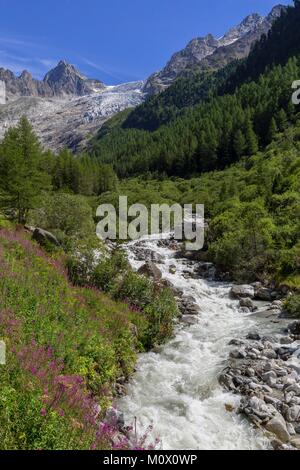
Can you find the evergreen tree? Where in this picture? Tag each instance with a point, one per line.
(239, 144)
(22, 179)
(251, 139)
(273, 130)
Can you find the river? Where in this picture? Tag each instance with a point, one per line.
(176, 388)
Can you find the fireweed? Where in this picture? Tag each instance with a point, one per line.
(49, 327)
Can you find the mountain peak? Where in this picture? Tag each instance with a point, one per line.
(208, 53)
(65, 79)
(276, 12)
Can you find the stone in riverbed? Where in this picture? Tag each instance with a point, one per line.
(294, 328)
(297, 429)
(263, 293)
(292, 414)
(172, 269)
(189, 319)
(295, 441)
(291, 429)
(269, 353)
(270, 378)
(151, 270)
(247, 302)
(278, 427)
(242, 291)
(238, 354)
(253, 335)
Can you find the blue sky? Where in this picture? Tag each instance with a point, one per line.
(112, 40)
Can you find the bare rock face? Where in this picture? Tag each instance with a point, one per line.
(63, 80)
(208, 53)
(68, 121)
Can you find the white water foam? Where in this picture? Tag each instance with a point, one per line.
(176, 388)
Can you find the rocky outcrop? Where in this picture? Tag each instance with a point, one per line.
(43, 237)
(63, 80)
(151, 270)
(208, 53)
(242, 291)
(261, 370)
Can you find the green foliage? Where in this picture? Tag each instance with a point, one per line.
(208, 121)
(81, 174)
(68, 216)
(292, 306)
(253, 208)
(47, 324)
(22, 179)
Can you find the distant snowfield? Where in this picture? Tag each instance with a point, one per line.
(70, 122)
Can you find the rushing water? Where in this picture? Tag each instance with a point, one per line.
(176, 387)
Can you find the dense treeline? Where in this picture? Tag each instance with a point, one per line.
(253, 208)
(211, 135)
(220, 129)
(27, 171)
(185, 92)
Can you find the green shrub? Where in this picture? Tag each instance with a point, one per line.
(292, 306)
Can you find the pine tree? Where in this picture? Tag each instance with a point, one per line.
(22, 179)
(239, 144)
(282, 120)
(273, 130)
(251, 139)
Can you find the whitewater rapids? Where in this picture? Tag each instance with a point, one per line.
(176, 388)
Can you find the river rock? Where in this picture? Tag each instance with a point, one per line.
(269, 354)
(247, 302)
(207, 270)
(269, 377)
(294, 328)
(295, 441)
(143, 254)
(172, 269)
(293, 388)
(278, 427)
(189, 319)
(253, 335)
(292, 414)
(263, 293)
(242, 291)
(151, 270)
(43, 237)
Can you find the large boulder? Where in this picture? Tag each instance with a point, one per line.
(43, 237)
(277, 426)
(294, 328)
(242, 291)
(263, 293)
(207, 270)
(151, 270)
(247, 302)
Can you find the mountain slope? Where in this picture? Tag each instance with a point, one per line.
(68, 122)
(219, 131)
(208, 53)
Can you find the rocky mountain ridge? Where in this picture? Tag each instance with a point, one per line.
(62, 81)
(68, 122)
(208, 53)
